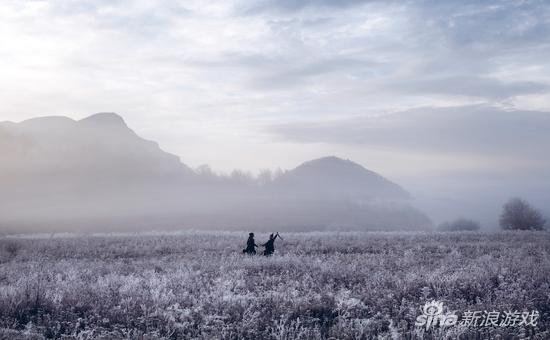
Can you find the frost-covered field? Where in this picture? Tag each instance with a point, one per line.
(319, 285)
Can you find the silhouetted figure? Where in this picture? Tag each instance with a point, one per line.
(270, 245)
(250, 245)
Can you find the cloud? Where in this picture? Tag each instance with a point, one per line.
(467, 130)
(469, 85)
(290, 6)
(433, 49)
(194, 74)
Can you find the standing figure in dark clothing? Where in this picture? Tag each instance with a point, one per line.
(270, 245)
(250, 245)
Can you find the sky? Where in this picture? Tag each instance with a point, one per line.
(410, 89)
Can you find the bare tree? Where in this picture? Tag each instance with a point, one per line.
(265, 177)
(241, 177)
(517, 214)
(204, 169)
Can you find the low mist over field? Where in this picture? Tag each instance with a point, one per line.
(59, 174)
(448, 100)
(94, 174)
(97, 174)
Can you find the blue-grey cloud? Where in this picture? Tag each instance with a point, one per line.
(224, 68)
(468, 85)
(482, 130)
(418, 48)
(289, 6)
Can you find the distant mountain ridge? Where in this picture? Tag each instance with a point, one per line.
(57, 172)
(336, 177)
(101, 142)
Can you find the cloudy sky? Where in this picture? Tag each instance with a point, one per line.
(407, 88)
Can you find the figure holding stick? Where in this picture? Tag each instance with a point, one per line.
(270, 245)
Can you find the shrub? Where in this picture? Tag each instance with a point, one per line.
(460, 224)
(517, 214)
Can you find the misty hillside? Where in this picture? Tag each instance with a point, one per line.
(337, 178)
(96, 173)
(100, 145)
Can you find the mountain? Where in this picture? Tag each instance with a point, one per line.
(58, 173)
(97, 174)
(101, 145)
(331, 193)
(338, 178)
